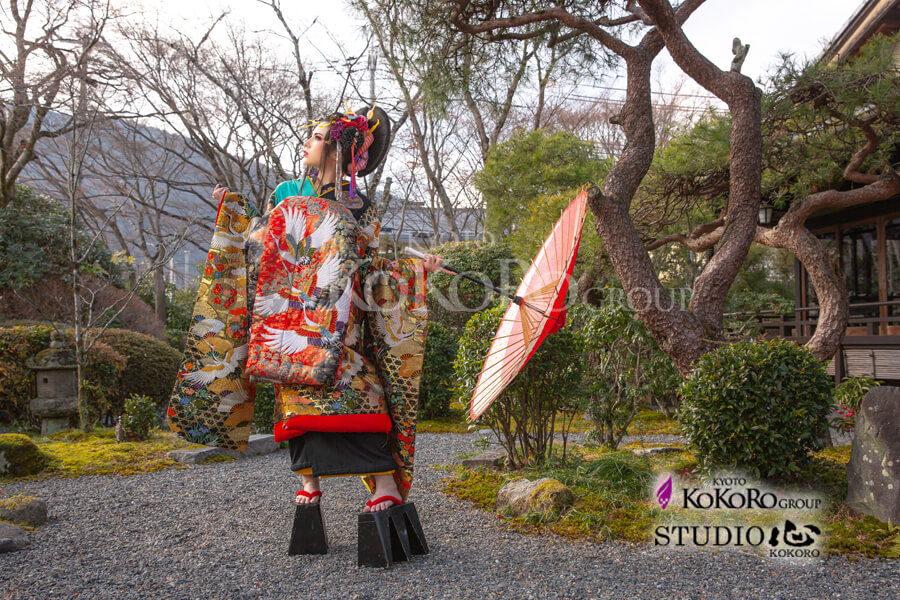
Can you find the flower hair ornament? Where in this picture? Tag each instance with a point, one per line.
(363, 137)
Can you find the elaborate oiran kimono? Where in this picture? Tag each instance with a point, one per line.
(297, 297)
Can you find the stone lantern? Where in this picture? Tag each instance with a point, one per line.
(57, 386)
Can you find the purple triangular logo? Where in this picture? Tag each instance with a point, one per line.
(664, 489)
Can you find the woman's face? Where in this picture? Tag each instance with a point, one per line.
(314, 148)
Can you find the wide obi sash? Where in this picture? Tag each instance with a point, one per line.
(304, 292)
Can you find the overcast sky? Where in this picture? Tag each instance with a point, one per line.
(769, 26)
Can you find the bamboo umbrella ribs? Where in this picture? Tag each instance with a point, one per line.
(537, 311)
(537, 308)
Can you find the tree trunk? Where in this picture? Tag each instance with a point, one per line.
(159, 293)
(7, 194)
(712, 285)
(834, 307)
(679, 333)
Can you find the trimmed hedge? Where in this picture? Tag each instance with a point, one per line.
(18, 344)
(150, 365)
(452, 299)
(121, 364)
(436, 390)
(760, 406)
(103, 372)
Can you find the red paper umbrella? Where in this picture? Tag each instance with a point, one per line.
(536, 311)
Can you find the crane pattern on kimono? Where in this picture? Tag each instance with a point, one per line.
(390, 323)
(325, 332)
(350, 367)
(217, 363)
(295, 229)
(303, 296)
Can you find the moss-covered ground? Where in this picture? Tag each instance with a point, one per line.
(611, 502)
(646, 422)
(613, 497)
(455, 422)
(653, 422)
(75, 454)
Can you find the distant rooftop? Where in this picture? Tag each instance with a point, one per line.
(871, 18)
(422, 225)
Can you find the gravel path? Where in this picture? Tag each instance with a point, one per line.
(220, 531)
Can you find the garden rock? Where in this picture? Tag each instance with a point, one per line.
(654, 451)
(193, 456)
(19, 456)
(260, 444)
(873, 474)
(521, 496)
(11, 538)
(23, 509)
(490, 459)
(125, 436)
(257, 445)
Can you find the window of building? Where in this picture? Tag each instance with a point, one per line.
(892, 263)
(859, 262)
(828, 240)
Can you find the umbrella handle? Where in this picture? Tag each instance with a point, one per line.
(513, 297)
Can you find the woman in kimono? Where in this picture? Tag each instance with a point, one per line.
(337, 329)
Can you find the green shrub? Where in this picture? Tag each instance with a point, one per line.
(151, 365)
(525, 415)
(103, 372)
(624, 366)
(19, 456)
(139, 417)
(436, 389)
(760, 406)
(17, 345)
(848, 396)
(34, 241)
(452, 299)
(264, 408)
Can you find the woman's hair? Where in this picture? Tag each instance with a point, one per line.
(358, 142)
(349, 139)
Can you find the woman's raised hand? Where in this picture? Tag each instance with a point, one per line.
(219, 193)
(433, 263)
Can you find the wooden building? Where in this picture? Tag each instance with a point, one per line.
(867, 240)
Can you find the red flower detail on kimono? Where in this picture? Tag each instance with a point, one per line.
(230, 299)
